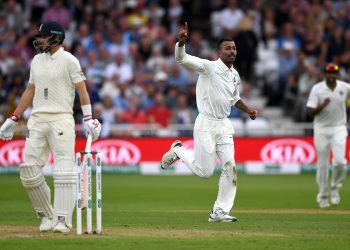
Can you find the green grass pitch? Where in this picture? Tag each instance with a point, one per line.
(171, 212)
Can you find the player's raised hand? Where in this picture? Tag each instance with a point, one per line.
(183, 35)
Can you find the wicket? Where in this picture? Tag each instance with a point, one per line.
(88, 178)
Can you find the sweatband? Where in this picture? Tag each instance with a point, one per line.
(86, 110)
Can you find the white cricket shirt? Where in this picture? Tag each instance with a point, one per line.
(334, 114)
(217, 85)
(54, 77)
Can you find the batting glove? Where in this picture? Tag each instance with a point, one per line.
(8, 128)
(92, 127)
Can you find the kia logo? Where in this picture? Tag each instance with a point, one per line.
(288, 151)
(12, 153)
(117, 152)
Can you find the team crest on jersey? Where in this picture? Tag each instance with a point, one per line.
(341, 93)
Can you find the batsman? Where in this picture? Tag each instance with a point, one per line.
(54, 76)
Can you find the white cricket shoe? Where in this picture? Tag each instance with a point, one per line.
(61, 227)
(335, 197)
(220, 216)
(46, 224)
(324, 203)
(170, 157)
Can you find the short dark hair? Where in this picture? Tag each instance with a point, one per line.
(225, 39)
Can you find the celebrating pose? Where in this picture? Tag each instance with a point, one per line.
(216, 90)
(326, 104)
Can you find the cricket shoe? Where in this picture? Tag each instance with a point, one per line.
(219, 215)
(61, 227)
(335, 197)
(324, 203)
(46, 224)
(170, 157)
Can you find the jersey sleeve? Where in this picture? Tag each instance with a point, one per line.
(31, 73)
(75, 71)
(312, 102)
(236, 95)
(190, 62)
(31, 76)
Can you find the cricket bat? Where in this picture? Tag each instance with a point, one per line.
(84, 183)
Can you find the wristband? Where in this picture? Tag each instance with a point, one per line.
(87, 118)
(86, 110)
(15, 118)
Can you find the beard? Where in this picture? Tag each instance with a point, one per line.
(228, 60)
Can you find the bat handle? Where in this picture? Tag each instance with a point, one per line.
(88, 143)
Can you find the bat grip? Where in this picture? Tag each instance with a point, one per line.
(88, 143)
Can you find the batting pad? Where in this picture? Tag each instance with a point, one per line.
(64, 175)
(38, 191)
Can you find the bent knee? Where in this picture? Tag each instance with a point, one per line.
(31, 175)
(205, 173)
(339, 162)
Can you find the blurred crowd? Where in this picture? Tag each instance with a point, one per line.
(126, 50)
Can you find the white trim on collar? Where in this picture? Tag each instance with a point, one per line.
(57, 53)
(223, 65)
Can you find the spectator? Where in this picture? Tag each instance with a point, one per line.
(288, 37)
(58, 13)
(121, 101)
(287, 63)
(156, 61)
(117, 45)
(121, 67)
(20, 49)
(247, 43)
(197, 45)
(14, 15)
(183, 113)
(230, 17)
(305, 82)
(160, 114)
(174, 14)
(96, 41)
(107, 114)
(134, 114)
(178, 77)
(94, 69)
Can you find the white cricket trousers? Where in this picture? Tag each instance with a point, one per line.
(212, 138)
(59, 138)
(326, 140)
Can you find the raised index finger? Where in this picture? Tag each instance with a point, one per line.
(186, 28)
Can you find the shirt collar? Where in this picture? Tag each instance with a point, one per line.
(57, 53)
(325, 86)
(223, 66)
